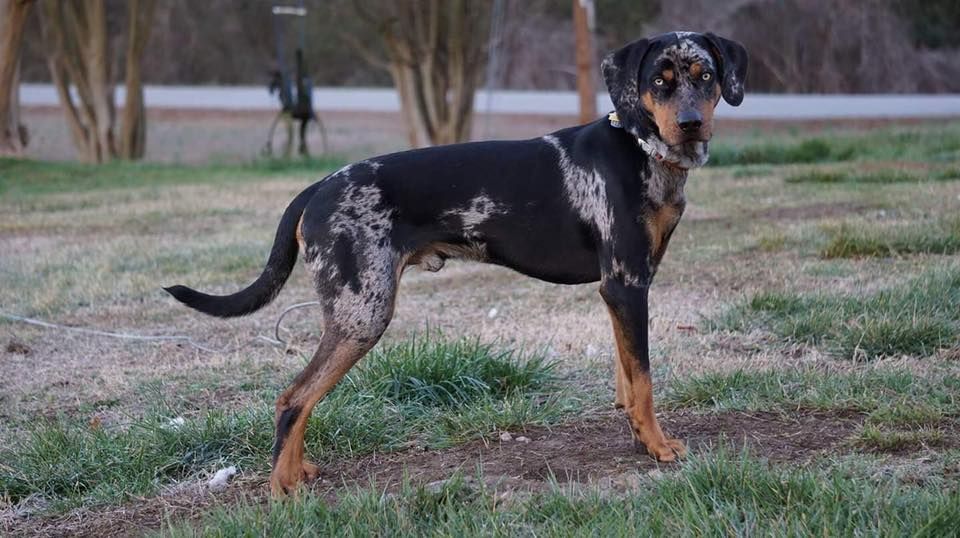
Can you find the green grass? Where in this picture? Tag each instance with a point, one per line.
(21, 177)
(713, 495)
(940, 236)
(430, 391)
(812, 150)
(938, 144)
(916, 318)
(884, 176)
(896, 398)
(885, 440)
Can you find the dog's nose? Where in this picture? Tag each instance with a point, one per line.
(689, 120)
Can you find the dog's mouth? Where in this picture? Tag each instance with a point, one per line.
(689, 154)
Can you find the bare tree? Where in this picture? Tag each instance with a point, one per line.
(79, 56)
(133, 130)
(435, 55)
(13, 135)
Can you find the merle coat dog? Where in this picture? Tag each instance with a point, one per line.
(597, 202)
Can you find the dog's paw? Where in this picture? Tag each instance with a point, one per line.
(667, 450)
(311, 472)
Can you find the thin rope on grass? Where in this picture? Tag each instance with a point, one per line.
(276, 341)
(123, 336)
(291, 308)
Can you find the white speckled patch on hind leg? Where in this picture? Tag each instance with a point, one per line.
(362, 310)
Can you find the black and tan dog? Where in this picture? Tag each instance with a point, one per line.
(591, 203)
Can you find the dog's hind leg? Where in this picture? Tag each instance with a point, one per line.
(333, 358)
(353, 325)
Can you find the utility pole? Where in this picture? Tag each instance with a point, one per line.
(583, 24)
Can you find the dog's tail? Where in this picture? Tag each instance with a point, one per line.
(283, 256)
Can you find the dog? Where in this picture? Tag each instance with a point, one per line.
(592, 203)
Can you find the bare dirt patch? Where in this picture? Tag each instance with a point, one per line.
(596, 452)
(587, 451)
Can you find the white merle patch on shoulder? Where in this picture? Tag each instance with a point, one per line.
(586, 191)
(477, 211)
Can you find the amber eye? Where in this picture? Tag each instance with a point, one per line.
(706, 76)
(658, 81)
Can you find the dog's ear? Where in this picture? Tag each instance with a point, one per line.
(621, 73)
(733, 67)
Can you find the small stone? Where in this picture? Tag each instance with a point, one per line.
(505, 437)
(492, 313)
(591, 350)
(176, 423)
(221, 478)
(523, 439)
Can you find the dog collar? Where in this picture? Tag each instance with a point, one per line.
(647, 147)
(659, 150)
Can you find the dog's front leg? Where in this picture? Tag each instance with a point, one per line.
(628, 312)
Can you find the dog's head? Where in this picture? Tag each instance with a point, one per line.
(671, 83)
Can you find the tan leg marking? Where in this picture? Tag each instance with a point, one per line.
(659, 226)
(638, 390)
(620, 398)
(320, 376)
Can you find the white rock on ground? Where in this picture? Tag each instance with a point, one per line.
(221, 478)
(505, 436)
(176, 423)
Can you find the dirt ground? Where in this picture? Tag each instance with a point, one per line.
(592, 454)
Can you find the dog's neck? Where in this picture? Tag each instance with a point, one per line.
(683, 156)
(667, 166)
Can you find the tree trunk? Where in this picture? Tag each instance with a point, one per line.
(76, 42)
(586, 89)
(435, 56)
(133, 126)
(75, 39)
(13, 135)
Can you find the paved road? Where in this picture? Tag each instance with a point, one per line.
(755, 106)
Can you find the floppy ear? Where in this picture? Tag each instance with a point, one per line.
(621, 71)
(733, 67)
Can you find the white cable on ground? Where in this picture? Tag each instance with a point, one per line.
(276, 328)
(95, 332)
(277, 341)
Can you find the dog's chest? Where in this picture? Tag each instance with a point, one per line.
(665, 204)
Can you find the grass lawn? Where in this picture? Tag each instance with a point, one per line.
(805, 342)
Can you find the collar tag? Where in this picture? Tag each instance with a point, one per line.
(614, 120)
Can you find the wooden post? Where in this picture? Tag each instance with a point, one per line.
(583, 30)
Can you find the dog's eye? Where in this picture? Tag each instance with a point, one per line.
(658, 81)
(706, 76)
